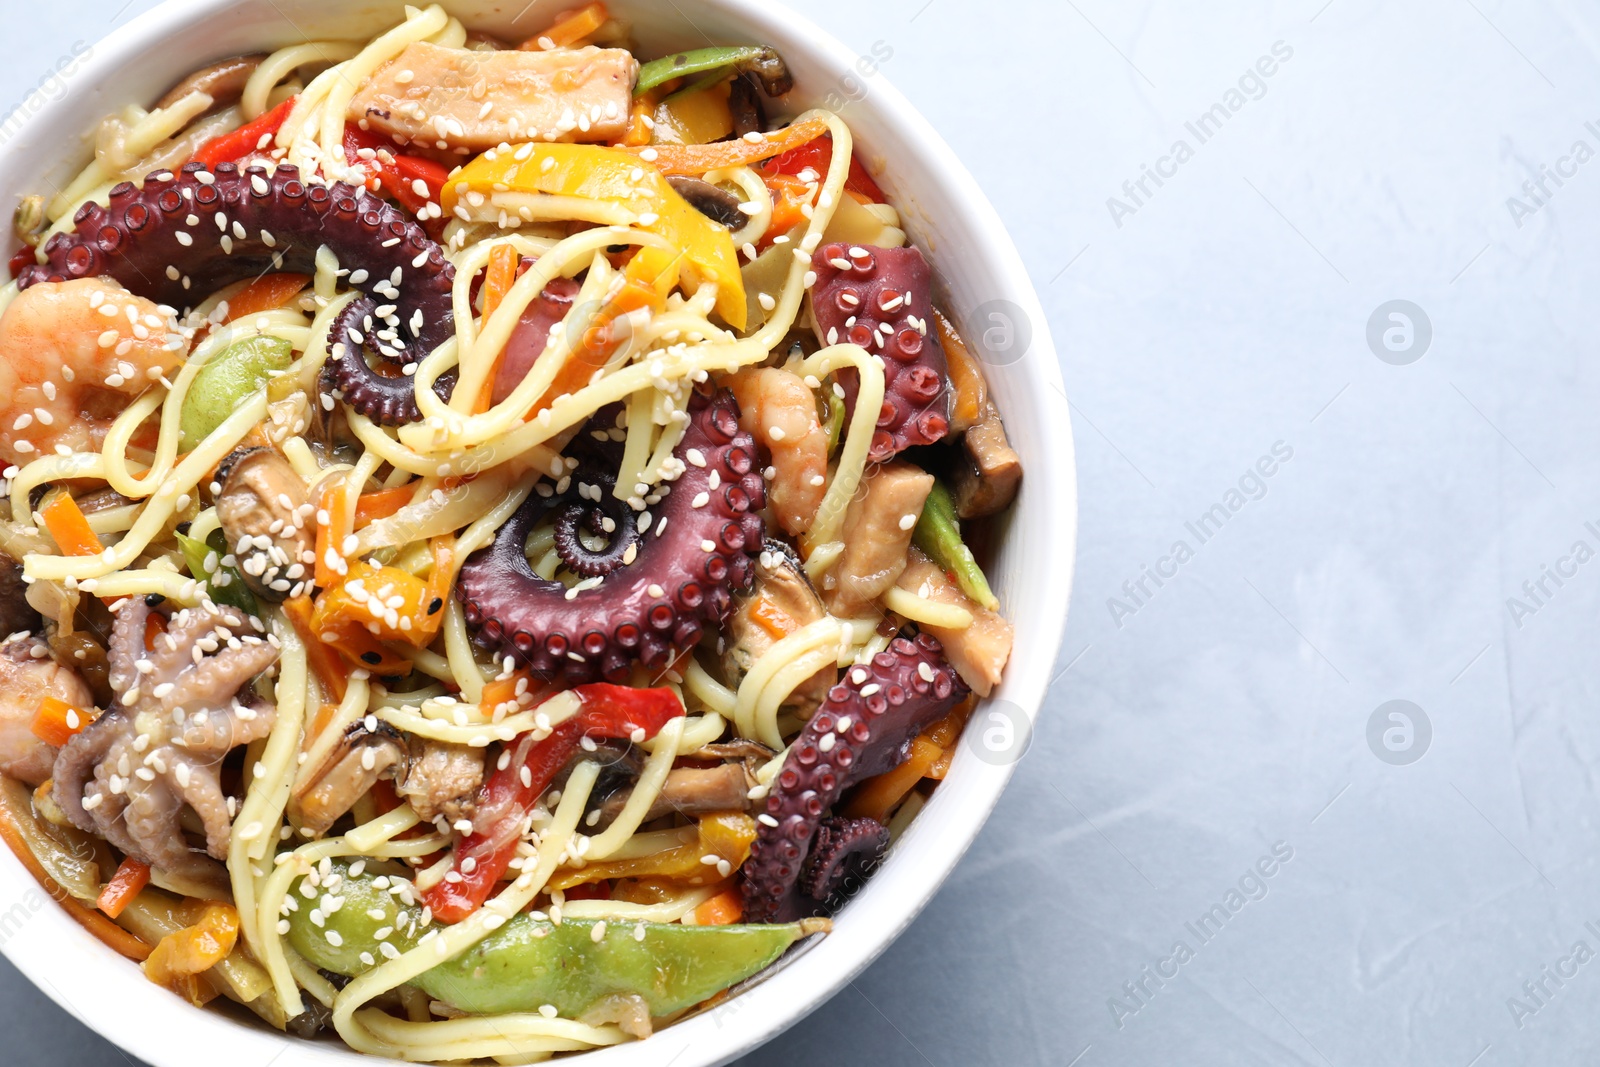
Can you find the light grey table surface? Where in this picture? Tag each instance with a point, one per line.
(1426, 910)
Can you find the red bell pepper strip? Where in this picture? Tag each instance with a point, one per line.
(396, 174)
(484, 856)
(232, 147)
(818, 155)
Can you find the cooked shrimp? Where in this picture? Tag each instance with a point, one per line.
(781, 412)
(27, 675)
(72, 355)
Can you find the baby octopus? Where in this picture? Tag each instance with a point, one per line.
(178, 712)
(72, 354)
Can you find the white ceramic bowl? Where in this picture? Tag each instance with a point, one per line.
(46, 142)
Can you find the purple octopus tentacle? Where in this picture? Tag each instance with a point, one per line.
(843, 853)
(179, 237)
(863, 729)
(689, 554)
(882, 300)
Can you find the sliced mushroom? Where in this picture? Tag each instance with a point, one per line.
(773, 72)
(989, 470)
(437, 778)
(223, 81)
(16, 614)
(690, 791)
(737, 749)
(781, 600)
(718, 205)
(265, 515)
(744, 102)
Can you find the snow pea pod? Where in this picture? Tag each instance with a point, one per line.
(529, 963)
(226, 381)
(765, 63)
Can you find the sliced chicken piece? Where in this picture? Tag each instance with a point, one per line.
(691, 791)
(781, 601)
(28, 674)
(464, 98)
(877, 533)
(978, 652)
(987, 476)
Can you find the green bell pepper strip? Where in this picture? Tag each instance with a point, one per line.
(529, 963)
(938, 533)
(225, 381)
(225, 585)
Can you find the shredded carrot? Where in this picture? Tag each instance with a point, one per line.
(725, 908)
(498, 278)
(370, 507)
(129, 881)
(600, 341)
(500, 690)
(267, 293)
(318, 655)
(771, 618)
(68, 527)
(336, 502)
(570, 28)
(108, 932)
(789, 199)
(696, 159)
(56, 721)
(946, 732)
(965, 374)
(881, 795)
(641, 120)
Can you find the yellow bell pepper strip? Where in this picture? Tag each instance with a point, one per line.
(613, 178)
(180, 959)
(359, 614)
(726, 836)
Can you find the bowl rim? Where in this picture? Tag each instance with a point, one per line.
(877, 917)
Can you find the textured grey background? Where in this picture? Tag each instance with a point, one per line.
(1202, 721)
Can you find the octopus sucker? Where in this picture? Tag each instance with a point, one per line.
(273, 220)
(803, 859)
(654, 590)
(882, 300)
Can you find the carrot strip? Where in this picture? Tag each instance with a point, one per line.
(336, 502)
(370, 507)
(129, 881)
(771, 618)
(696, 159)
(108, 932)
(641, 120)
(599, 341)
(318, 655)
(69, 528)
(267, 293)
(724, 909)
(879, 796)
(56, 721)
(570, 28)
(498, 279)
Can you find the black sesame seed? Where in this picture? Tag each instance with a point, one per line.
(372, 658)
(433, 608)
(154, 600)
